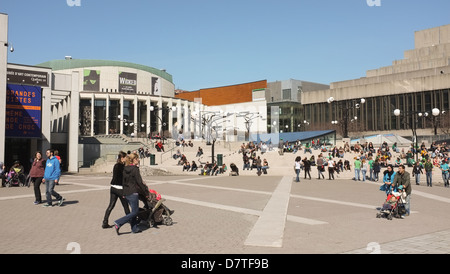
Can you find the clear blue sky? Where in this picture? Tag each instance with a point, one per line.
(212, 43)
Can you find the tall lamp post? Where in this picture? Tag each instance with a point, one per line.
(161, 119)
(414, 117)
(249, 117)
(345, 113)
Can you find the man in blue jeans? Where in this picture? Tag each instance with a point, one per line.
(51, 175)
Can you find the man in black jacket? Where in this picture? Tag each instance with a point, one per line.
(402, 178)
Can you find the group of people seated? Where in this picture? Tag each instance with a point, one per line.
(212, 169)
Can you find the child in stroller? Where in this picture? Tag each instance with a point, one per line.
(16, 175)
(154, 211)
(393, 206)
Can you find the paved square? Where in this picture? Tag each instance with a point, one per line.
(226, 214)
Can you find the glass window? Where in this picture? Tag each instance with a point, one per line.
(85, 117)
(286, 94)
(99, 116)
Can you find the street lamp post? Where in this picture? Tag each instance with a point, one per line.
(345, 114)
(249, 117)
(161, 119)
(415, 115)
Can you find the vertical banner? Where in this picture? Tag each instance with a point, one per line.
(155, 86)
(23, 111)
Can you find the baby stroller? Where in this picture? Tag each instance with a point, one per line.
(14, 179)
(155, 212)
(393, 206)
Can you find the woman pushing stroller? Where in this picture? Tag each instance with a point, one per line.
(133, 186)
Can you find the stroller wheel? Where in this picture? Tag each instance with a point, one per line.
(389, 217)
(151, 223)
(378, 215)
(168, 221)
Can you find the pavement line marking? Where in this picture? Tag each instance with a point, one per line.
(431, 196)
(336, 202)
(241, 210)
(269, 228)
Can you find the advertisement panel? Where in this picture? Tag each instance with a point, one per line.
(155, 86)
(23, 111)
(127, 82)
(27, 77)
(91, 80)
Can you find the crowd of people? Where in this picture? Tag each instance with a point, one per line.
(47, 172)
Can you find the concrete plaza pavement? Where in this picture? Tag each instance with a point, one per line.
(228, 215)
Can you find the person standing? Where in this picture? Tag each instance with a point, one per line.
(402, 178)
(307, 167)
(116, 190)
(363, 169)
(445, 169)
(51, 176)
(320, 166)
(417, 170)
(36, 174)
(429, 172)
(133, 186)
(297, 167)
(357, 165)
(259, 166)
(388, 178)
(330, 169)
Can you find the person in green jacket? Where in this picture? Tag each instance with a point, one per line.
(429, 171)
(357, 165)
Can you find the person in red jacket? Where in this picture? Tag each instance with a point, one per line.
(36, 175)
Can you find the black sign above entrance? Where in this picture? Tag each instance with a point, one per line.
(27, 77)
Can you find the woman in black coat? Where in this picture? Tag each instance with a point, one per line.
(116, 191)
(133, 188)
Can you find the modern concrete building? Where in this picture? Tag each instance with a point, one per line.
(416, 84)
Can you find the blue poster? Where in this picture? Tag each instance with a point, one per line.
(23, 111)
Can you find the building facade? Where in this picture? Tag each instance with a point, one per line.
(416, 84)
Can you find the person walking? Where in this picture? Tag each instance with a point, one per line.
(417, 170)
(116, 190)
(51, 175)
(36, 174)
(402, 178)
(307, 167)
(429, 172)
(133, 186)
(297, 167)
(445, 175)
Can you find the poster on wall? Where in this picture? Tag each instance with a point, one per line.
(23, 111)
(91, 80)
(156, 89)
(127, 82)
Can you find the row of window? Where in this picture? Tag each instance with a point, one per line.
(377, 113)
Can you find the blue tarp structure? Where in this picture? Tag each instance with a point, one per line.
(291, 136)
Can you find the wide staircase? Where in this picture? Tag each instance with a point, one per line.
(165, 164)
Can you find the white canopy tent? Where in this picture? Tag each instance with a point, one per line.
(379, 139)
